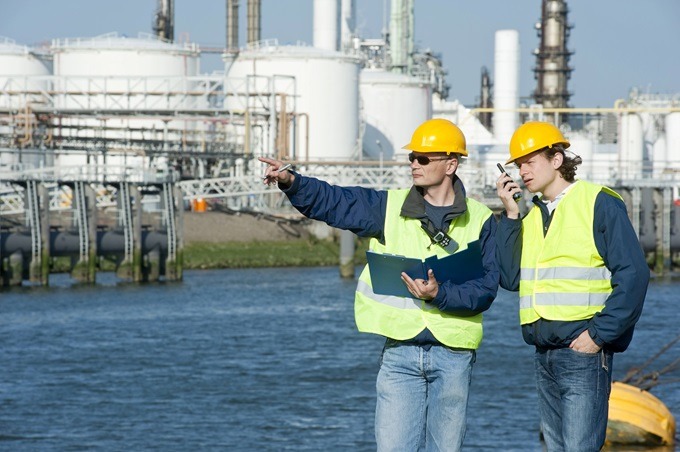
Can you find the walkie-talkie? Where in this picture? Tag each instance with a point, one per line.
(516, 196)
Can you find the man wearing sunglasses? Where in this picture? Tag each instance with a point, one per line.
(431, 337)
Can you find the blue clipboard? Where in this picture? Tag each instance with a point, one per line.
(386, 269)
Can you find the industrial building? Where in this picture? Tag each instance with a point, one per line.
(132, 128)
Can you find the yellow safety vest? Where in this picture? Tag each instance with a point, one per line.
(404, 318)
(562, 275)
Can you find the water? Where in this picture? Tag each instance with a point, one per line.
(256, 359)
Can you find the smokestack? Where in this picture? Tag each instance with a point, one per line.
(347, 24)
(552, 71)
(254, 21)
(164, 26)
(326, 24)
(506, 84)
(401, 35)
(485, 98)
(232, 26)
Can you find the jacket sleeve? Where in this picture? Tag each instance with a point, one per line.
(357, 209)
(474, 296)
(509, 251)
(618, 244)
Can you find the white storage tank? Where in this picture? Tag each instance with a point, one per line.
(23, 78)
(124, 75)
(660, 157)
(672, 126)
(324, 86)
(393, 106)
(20, 71)
(631, 145)
(582, 145)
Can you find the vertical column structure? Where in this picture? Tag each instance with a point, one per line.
(254, 21)
(552, 71)
(130, 266)
(38, 269)
(326, 24)
(347, 24)
(85, 269)
(232, 26)
(347, 248)
(506, 84)
(164, 26)
(402, 25)
(173, 261)
(137, 273)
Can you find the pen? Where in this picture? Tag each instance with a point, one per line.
(285, 167)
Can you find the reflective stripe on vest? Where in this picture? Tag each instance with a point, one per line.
(403, 318)
(562, 274)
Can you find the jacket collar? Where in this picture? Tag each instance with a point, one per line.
(414, 205)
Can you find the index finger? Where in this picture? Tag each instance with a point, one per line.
(268, 161)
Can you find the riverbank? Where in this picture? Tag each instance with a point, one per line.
(226, 239)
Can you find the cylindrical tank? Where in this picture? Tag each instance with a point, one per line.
(326, 24)
(506, 84)
(20, 69)
(23, 78)
(393, 106)
(582, 145)
(116, 73)
(660, 156)
(672, 126)
(631, 145)
(325, 89)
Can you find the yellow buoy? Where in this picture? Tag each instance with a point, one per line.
(636, 417)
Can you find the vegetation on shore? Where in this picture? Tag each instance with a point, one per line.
(291, 253)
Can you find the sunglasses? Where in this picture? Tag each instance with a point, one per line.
(423, 160)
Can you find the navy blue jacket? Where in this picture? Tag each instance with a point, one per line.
(615, 240)
(362, 211)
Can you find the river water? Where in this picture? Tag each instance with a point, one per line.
(245, 360)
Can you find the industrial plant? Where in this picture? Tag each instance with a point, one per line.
(106, 140)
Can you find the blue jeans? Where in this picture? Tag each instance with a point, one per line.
(422, 398)
(573, 398)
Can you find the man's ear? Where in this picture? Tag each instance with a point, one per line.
(451, 166)
(557, 160)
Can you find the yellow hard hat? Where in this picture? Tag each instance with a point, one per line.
(533, 136)
(438, 135)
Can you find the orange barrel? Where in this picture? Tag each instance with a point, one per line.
(198, 205)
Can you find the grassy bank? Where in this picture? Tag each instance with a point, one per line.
(298, 253)
(292, 253)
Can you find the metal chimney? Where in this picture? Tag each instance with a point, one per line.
(552, 71)
(254, 21)
(232, 25)
(326, 24)
(401, 37)
(485, 98)
(347, 23)
(164, 25)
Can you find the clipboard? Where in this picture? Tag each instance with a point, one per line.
(386, 269)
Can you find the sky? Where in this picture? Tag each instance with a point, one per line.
(618, 44)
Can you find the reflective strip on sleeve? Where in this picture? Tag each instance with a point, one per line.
(389, 300)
